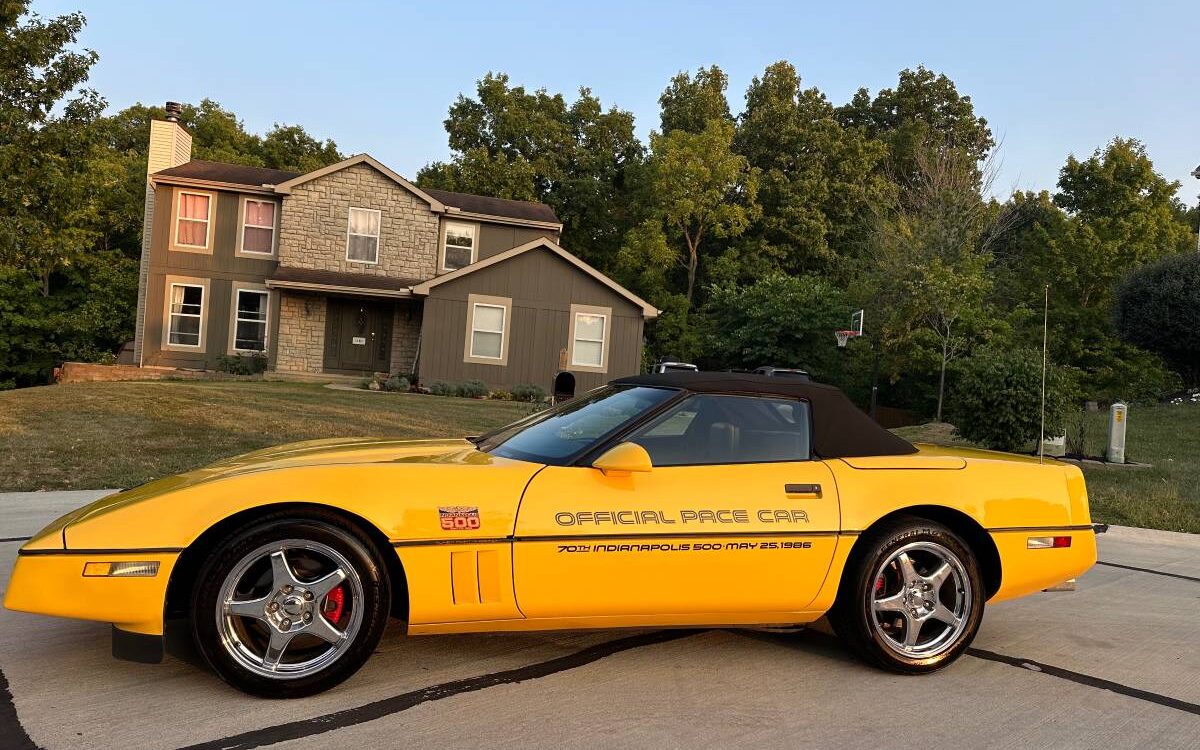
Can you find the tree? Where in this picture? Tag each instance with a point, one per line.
(701, 188)
(778, 320)
(998, 398)
(924, 111)
(932, 249)
(47, 203)
(818, 177)
(689, 104)
(576, 157)
(1158, 308)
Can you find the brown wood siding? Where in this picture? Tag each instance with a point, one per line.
(222, 267)
(542, 287)
(496, 238)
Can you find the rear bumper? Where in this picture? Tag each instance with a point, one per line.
(51, 582)
(1026, 571)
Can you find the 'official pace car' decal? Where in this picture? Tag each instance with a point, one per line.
(459, 518)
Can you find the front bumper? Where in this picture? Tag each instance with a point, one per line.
(51, 582)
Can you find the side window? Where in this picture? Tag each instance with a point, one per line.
(712, 429)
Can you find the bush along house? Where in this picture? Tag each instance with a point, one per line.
(353, 270)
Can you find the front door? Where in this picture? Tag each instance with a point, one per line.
(734, 518)
(358, 336)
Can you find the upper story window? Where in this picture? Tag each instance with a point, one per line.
(193, 220)
(186, 305)
(590, 328)
(258, 226)
(458, 250)
(362, 241)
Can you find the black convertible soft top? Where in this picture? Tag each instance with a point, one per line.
(840, 429)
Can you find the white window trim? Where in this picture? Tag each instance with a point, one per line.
(576, 311)
(378, 241)
(478, 300)
(208, 222)
(238, 288)
(241, 237)
(173, 281)
(474, 243)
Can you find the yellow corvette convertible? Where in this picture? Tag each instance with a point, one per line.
(681, 499)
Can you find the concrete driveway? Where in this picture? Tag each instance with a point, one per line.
(1115, 664)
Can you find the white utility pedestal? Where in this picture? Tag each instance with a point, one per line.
(1118, 415)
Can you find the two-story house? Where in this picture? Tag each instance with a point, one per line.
(352, 270)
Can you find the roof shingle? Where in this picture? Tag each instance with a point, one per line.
(236, 174)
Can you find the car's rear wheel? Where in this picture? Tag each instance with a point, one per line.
(290, 607)
(912, 601)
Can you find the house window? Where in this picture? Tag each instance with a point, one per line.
(186, 315)
(589, 337)
(459, 247)
(362, 244)
(250, 320)
(192, 219)
(488, 320)
(258, 226)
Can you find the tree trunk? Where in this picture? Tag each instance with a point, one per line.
(942, 374)
(693, 262)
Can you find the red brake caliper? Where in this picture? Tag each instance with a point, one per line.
(334, 601)
(878, 585)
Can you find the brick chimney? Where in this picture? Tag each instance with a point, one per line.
(170, 146)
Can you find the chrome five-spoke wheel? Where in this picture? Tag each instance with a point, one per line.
(911, 596)
(921, 599)
(291, 605)
(289, 608)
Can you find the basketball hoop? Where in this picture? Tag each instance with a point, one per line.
(843, 337)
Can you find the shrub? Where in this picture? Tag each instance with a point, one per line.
(242, 364)
(1158, 308)
(995, 398)
(528, 392)
(473, 389)
(396, 384)
(442, 388)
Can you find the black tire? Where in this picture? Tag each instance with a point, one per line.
(367, 589)
(878, 638)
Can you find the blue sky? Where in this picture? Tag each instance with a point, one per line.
(1051, 77)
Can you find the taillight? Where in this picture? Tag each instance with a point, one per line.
(1048, 542)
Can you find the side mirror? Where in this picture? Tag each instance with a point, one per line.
(624, 459)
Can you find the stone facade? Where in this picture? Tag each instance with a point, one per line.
(406, 333)
(300, 337)
(315, 216)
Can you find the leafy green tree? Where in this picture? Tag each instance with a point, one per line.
(932, 249)
(818, 177)
(702, 189)
(997, 398)
(575, 157)
(48, 206)
(779, 320)
(1158, 308)
(690, 103)
(924, 110)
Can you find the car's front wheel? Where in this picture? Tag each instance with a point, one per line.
(290, 607)
(912, 601)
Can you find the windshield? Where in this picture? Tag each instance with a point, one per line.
(558, 435)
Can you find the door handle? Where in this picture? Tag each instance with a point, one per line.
(802, 489)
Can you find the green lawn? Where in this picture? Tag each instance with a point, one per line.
(99, 435)
(1165, 496)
